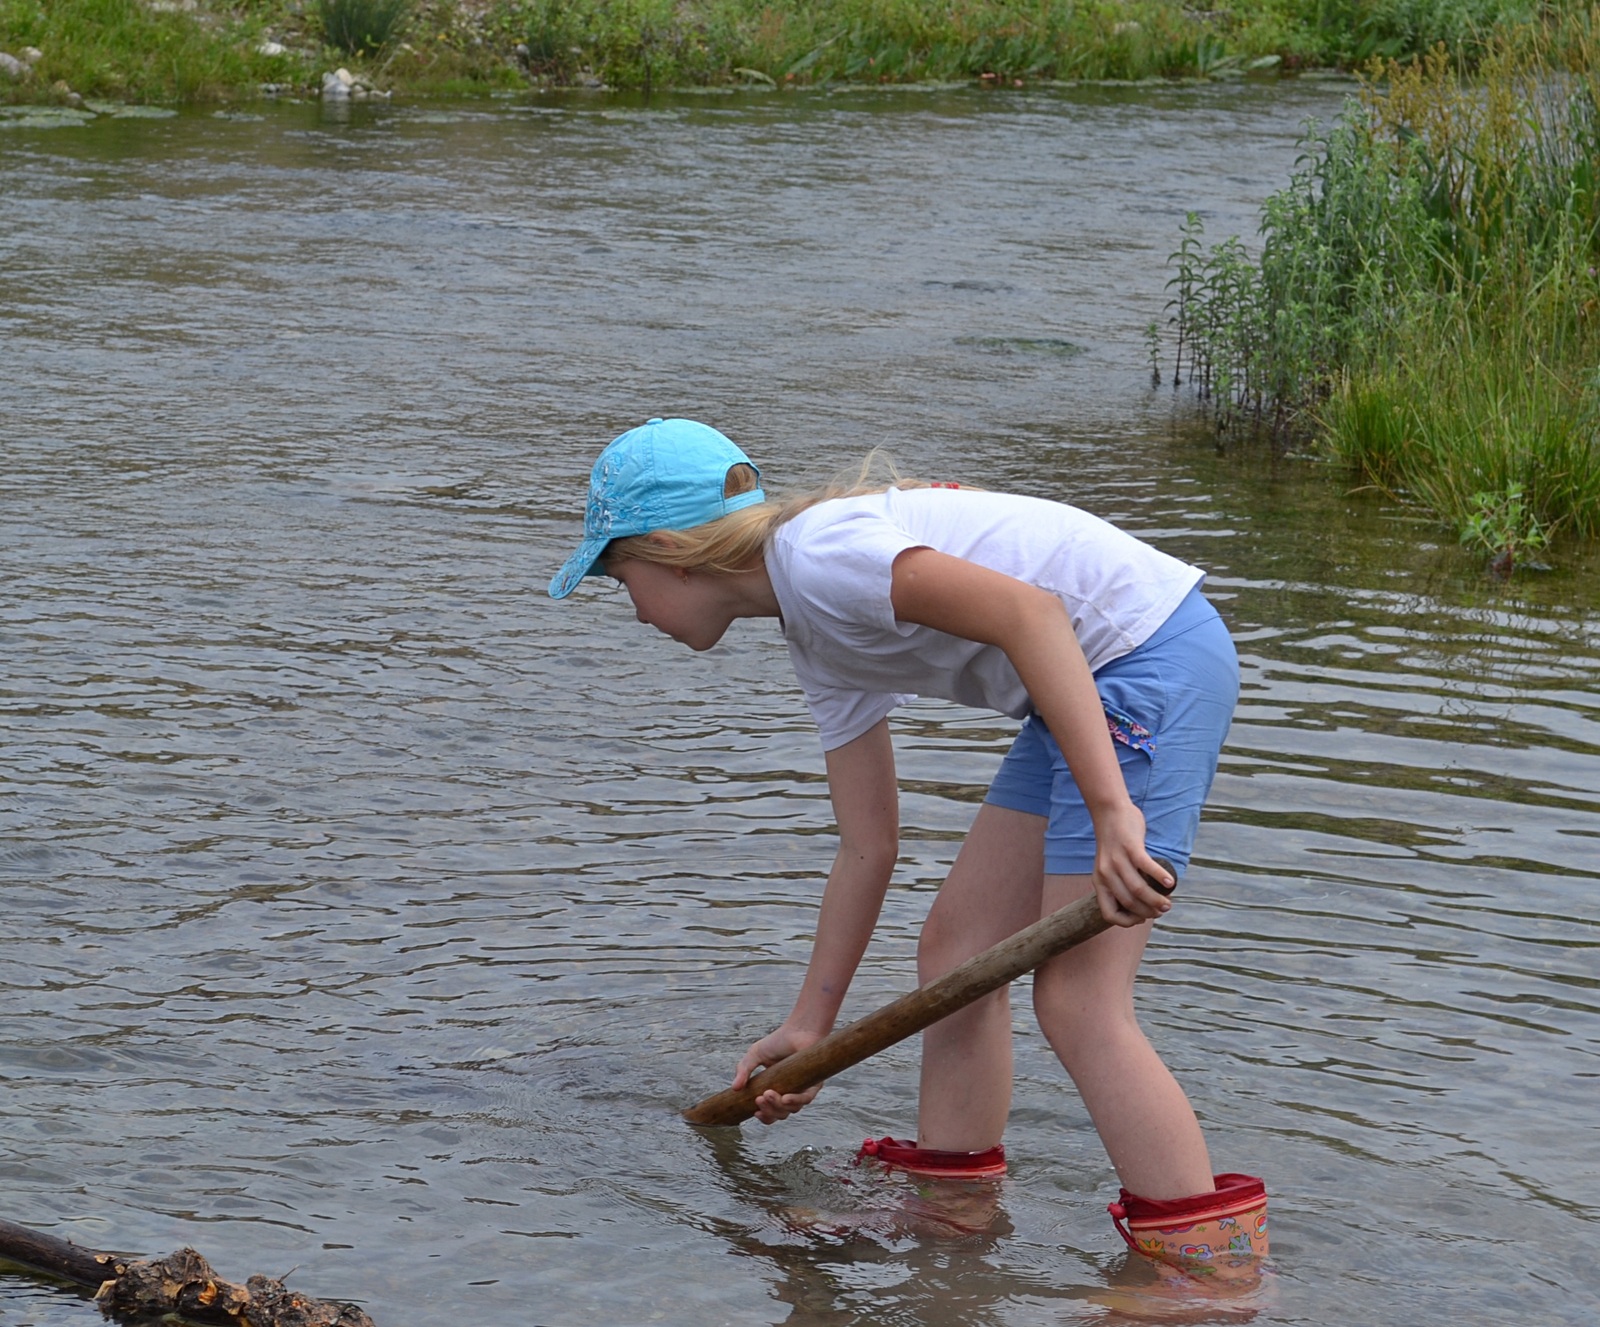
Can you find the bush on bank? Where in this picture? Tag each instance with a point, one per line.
(188, 50)
(1425, 297)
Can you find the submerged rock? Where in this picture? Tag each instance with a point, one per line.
(116, 110)
(42, 117)
(1023, 345)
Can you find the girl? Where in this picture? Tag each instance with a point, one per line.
(1125, 679)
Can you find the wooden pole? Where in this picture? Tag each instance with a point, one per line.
(59, 1257)
(993, 968)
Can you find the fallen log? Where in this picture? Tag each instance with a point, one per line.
(183, 1283)
(995, 967)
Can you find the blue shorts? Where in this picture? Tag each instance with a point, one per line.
(1172, 699)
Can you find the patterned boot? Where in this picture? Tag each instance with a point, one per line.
(1221, 1234)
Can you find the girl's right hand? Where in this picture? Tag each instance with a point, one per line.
(778, 1045)
(1123, 869)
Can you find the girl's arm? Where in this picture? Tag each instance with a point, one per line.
(1031, 625)
(861, 783)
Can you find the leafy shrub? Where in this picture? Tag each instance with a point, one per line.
(1425, 292)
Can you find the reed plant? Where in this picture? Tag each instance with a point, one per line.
(1424, 296)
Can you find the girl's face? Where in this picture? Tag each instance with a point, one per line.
(688, 606)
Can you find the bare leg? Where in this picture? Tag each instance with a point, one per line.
(1084, 1002)
(992, 891)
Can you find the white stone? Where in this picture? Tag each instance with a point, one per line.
(11, 66)
(271, 48)
(32, 54)
(337, 85)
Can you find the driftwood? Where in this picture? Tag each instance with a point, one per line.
(993, 968)
(182, 1283)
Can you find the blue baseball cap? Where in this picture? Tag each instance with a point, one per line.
(667, 474)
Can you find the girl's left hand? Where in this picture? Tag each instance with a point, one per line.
(1120, 865)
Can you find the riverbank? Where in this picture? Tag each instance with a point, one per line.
(184, 51)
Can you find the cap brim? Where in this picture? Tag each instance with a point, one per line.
(579, 565)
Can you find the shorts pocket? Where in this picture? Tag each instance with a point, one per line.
(1134, 699)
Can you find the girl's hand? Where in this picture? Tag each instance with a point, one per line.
(779, 1045)
(1120, 862)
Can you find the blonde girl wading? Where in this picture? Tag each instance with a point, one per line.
(1023, 606)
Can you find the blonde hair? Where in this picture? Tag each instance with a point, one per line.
(738, 542)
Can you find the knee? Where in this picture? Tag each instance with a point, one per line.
(1081, 1017)
(943, 945)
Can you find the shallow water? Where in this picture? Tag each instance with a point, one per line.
(370, 915)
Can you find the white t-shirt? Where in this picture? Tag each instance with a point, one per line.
(830, 568)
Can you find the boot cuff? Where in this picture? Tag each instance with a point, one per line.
(902, 1154)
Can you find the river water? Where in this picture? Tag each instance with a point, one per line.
(367, 914)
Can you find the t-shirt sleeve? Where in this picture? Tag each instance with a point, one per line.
(842, 716)
(843, 570)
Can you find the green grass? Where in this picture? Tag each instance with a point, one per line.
(125, 48)
(1483, 406)
(635, 43)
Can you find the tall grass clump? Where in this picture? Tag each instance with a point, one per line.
(359, 27)
(1425, 295)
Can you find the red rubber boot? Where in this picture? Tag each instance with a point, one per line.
(901, 1154)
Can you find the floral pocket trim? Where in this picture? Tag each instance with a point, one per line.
(1129, 731)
